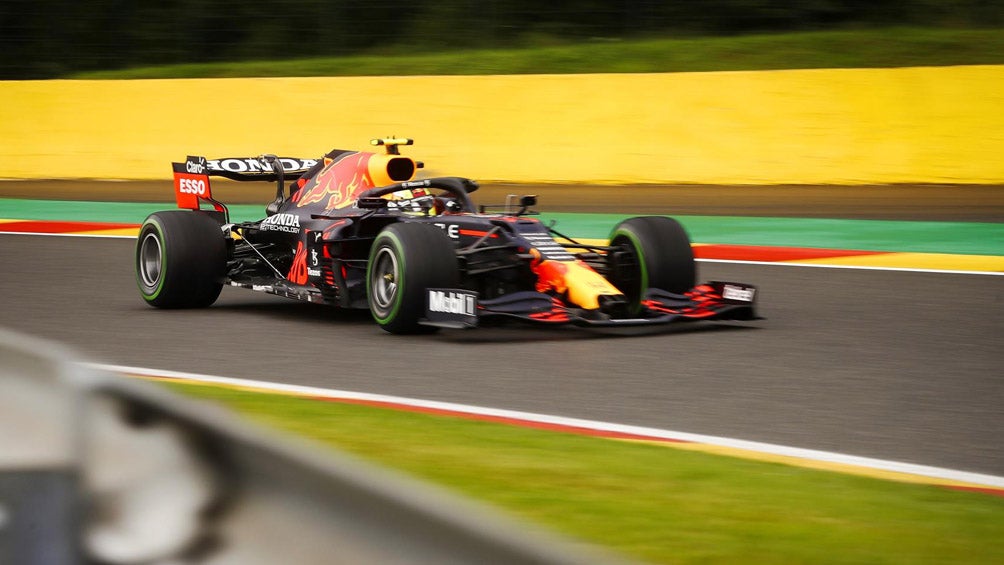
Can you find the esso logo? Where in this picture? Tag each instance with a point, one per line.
(195, 167)
(192, 186)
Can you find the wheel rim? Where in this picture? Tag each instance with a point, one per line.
(384, 281)
(151, 260)
(628, 272)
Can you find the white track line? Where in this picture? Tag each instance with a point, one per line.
(653, 433)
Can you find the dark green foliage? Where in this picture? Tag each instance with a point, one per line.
(50, 38)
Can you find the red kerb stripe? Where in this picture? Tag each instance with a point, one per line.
(61, 227)
(771, 254)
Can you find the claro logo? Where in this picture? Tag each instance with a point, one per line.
(192, 186)
(195, 165)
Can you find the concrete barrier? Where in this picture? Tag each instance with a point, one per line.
(843, 126)
(40, 454)
(95, 468)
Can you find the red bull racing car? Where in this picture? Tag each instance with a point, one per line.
(354, 229)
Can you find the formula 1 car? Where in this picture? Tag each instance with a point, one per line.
(355, 230)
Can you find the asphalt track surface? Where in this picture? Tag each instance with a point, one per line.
(892, 365)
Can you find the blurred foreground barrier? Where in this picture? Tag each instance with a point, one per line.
(100, 469)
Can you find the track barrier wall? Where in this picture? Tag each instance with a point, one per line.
(836, 126)
(97, 468)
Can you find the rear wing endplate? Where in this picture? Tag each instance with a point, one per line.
(191, 178)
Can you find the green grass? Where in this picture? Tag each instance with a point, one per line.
(897, 47)
(654, 502)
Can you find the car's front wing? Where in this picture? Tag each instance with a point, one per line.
(710, 301)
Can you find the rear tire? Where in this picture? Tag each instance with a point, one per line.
(650, 252)
(406, 259)
(181, 259)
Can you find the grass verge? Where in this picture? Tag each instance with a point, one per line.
(652, 502)
(897, 47)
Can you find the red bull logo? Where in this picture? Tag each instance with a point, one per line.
(339, 182)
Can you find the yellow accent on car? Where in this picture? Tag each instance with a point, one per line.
(585, 286)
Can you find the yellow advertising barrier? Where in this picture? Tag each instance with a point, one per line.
(842, 126)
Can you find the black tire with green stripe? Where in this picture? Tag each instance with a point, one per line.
(650, 252)
(406, 259)
(181, 258)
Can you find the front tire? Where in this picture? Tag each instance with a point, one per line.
(406, 259)
(650, 252)
(181, 258)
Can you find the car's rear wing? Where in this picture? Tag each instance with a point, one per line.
(191, 178)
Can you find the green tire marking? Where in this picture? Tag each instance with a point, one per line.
(398, 297)
(626, 232)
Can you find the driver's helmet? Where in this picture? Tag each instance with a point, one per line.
(414, 201)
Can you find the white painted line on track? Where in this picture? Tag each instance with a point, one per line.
(938, 473)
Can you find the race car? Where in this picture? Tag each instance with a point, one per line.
(354, 229)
